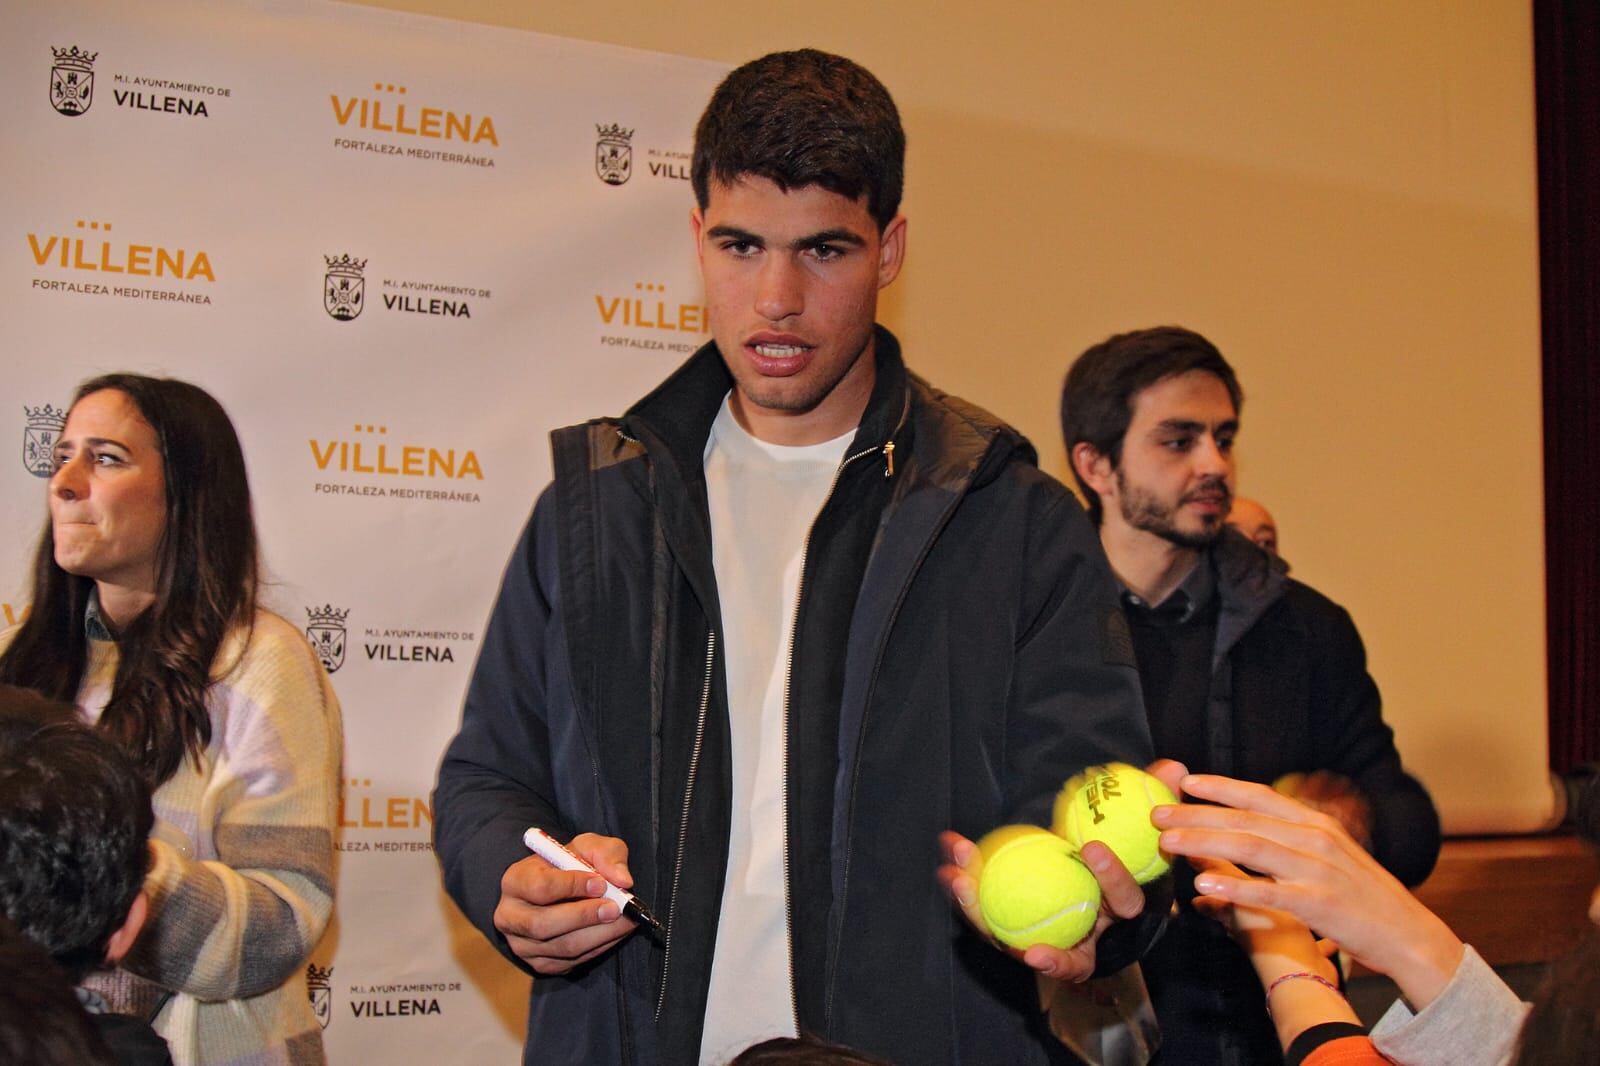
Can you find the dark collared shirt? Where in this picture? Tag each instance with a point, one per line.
(94, 621)
(1173, 644)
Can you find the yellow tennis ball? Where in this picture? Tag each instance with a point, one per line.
(1112, 804)
(1290, 784)
(1033, 890)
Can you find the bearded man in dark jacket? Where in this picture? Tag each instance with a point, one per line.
(769, 634)
(1246, 672)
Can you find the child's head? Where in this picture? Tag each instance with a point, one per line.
(74, 826)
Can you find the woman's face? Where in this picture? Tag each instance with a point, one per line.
(108, 501)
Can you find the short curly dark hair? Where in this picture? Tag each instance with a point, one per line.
(804, 118)
(75, 819)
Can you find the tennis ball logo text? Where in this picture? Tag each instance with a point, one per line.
(94, 249)
(388, 459)
(393, 116)
(1097, 791)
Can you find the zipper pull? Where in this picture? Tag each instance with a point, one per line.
(888, 459)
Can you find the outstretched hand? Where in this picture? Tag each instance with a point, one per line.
(1316, 872)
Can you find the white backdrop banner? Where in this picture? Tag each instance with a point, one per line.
(399, 250)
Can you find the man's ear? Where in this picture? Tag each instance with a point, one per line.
(891, 250)
(122, 940)
(697, 225)
(1094, 467)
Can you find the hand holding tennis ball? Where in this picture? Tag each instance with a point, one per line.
(1032, 888)
(1112, 804)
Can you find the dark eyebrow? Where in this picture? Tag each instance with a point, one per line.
(94, 442)
(736, 234)
(838, 235)
(1189, 425)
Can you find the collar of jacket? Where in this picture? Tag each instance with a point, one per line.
(673, 422)
(677, 414)
(1249, 579)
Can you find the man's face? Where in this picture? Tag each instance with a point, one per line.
(1255, 522)
(1175, 479)
(792, 282)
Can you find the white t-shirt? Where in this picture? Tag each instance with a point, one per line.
(764, 499)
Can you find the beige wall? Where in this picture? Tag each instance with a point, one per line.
(1341, 195)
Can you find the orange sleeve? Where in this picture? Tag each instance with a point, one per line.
(1346, 1051)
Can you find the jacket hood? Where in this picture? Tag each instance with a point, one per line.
(1250, 579)
(976, 444)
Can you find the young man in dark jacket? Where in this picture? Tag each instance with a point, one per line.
(771, 632)
(1246, 672)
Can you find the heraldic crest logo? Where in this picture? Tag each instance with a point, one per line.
(343, 286)
(325, 630)
(72, 80)
(39, 438)
(613, 154)
(319, 987)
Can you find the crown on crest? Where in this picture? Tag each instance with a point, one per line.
(345, 265)
(327, 615)
(75, 58)
(614, 134)
(46, 417)
(318, 976)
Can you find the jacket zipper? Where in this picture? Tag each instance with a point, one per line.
(872, 684)
(683, 823)
(788, 677)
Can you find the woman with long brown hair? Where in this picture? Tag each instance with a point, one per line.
(144, 612)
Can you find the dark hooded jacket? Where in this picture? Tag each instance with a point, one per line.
(1289, 692)
(958, 653)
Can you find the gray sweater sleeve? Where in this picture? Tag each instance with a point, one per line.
(1473, 1022)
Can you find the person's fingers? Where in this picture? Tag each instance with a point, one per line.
(1249, 796)
(608, 855)
(536, 881)
(958, 874)
(957, 849)
(1120, 894)
(558, 954)
(1259, 810)
(962, 888)
(1246, 849)
(1169, 772)
(1216, 908)
(1255, 892)
(1202, 863)
(1070, 964)
(1315, 836)
(548, 921)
